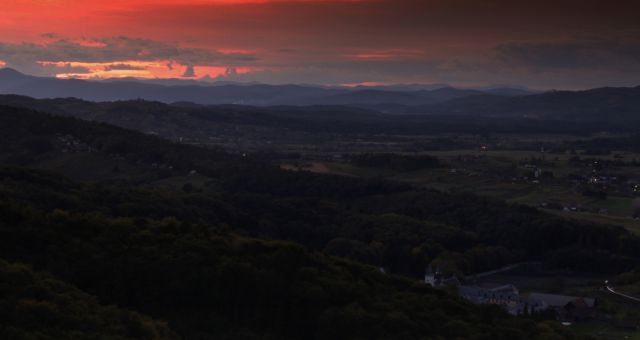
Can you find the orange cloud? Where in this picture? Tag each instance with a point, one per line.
(387, 55)
(214, 72)
(365, 83)
(139, 69)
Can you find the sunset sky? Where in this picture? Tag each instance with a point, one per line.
(540, 44)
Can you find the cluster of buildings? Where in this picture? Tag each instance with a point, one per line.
(563, 307)
(71, 144)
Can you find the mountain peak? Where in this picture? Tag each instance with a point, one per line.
(7, 71)
(9, 76)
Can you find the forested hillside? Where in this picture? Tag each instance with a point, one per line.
(35, 305)
(178, 254)
(319, 211)
(208, 283)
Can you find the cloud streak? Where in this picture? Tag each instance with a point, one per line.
(111, 52)
(582, 54)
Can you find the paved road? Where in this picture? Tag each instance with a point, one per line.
(612, 291)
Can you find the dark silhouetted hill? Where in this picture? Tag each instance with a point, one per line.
(602, 104)
(168, 91)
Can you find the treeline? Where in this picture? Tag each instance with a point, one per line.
(394, 161)
(601, 163)
(629, 143)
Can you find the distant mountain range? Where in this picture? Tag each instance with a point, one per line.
(382, 98)
(603, 104)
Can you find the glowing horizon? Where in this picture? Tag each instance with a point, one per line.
(460, 42)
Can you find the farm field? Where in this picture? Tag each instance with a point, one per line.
(577, 186)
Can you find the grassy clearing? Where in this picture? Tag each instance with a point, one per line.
(626, 222)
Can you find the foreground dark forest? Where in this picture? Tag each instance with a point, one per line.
(99, 224)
